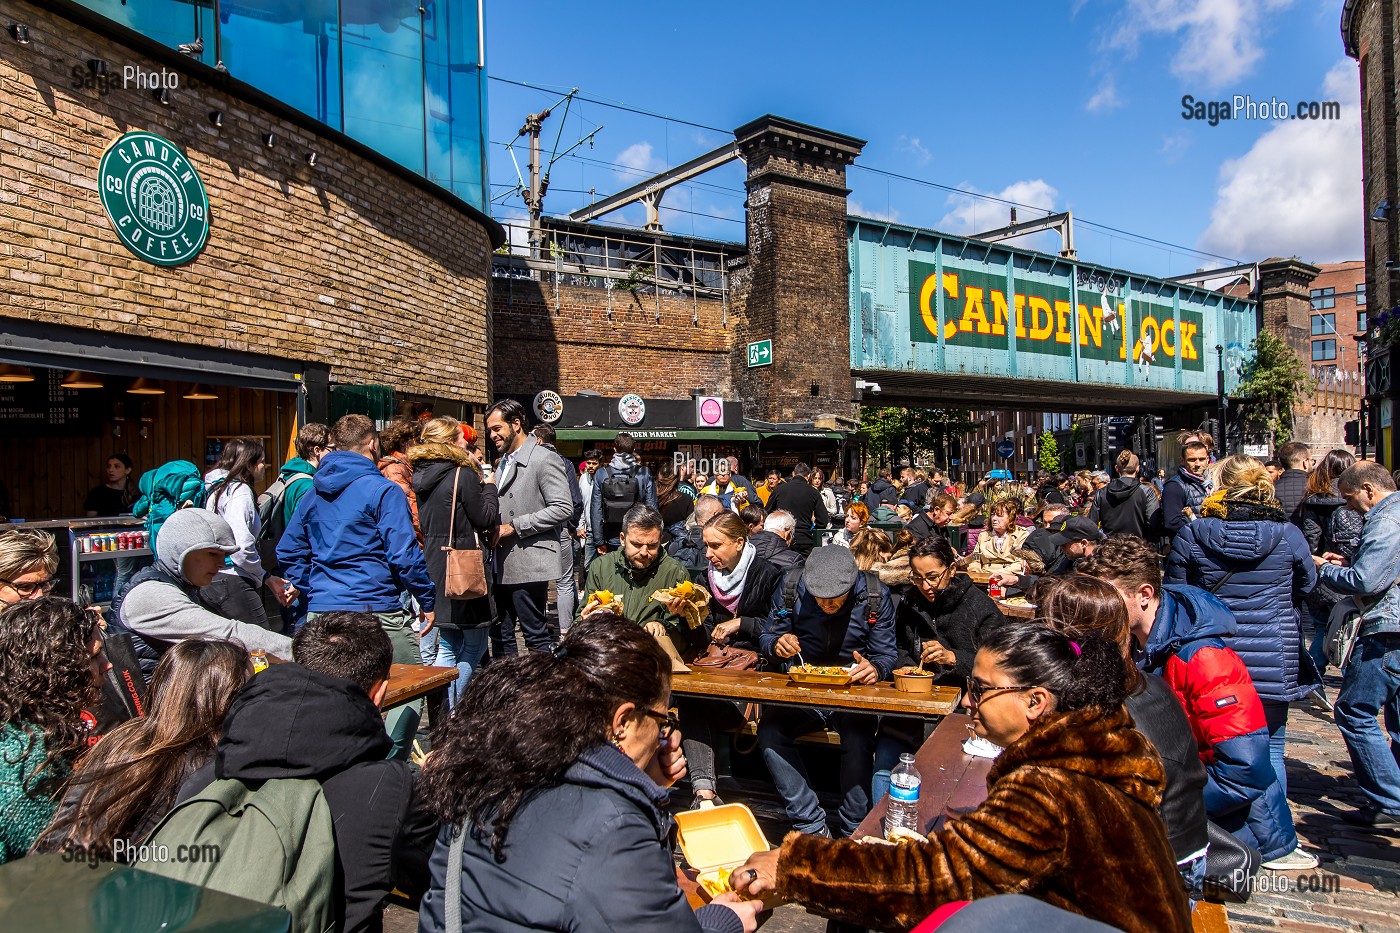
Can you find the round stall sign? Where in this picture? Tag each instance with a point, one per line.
(154, 198)
(711, 412)
(549, 407)
(631, 408)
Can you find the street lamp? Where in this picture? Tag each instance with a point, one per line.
(1220, 400)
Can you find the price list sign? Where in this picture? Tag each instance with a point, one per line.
(45, 408)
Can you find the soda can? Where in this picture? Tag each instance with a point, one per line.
(85, 544)
(111, 542)
(122, 542)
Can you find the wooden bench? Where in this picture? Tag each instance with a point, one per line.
(1210, 918)
(819, 737)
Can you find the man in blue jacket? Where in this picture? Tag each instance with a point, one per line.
(829, 615)
(1183, 494)
(1371, 683)
(351, 547)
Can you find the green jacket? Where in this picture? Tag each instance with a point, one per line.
(611, 572)
(294, 490)
(22, 816)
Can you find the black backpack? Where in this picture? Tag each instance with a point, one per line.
(621, 491)
(272, 519)
(872, 592)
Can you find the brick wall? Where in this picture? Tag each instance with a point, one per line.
(345, 264)
(610, 341)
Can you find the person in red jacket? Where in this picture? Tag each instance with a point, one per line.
(1180, 634)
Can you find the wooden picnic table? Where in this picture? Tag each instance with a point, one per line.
(954, 782)
(776, 689)
(408, 682)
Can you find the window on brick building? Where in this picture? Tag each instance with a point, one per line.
(1324, 324)
(1361, 324)
(1323, 298)
(1361, 294)
(1324, 350)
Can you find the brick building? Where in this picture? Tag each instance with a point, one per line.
(333, 273)
(1339, 308)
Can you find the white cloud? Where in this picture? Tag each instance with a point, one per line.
(967, 214)
(1173, 147)
(639, 159)
(1106, 97)
(1219, 39)
(1297, 191)
(857, 209)
(911, 145)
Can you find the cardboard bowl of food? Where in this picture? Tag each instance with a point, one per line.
(913, 680)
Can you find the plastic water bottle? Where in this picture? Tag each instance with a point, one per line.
(902, 809)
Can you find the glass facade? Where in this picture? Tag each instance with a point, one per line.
(404, 77)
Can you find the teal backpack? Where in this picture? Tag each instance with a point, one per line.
(164, 491)
(274, 844)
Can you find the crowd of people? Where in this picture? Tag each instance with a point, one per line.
(1144, 708)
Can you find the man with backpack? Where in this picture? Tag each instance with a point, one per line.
(279, 502)
(302, 757)
(829, 613)
(618, 486)
(802, 500)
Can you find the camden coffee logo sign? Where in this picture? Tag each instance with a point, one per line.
(154, 198)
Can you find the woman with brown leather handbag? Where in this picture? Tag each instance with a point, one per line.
(742, 586)
(456, 506)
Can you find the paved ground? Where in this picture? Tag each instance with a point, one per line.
(1356, 888)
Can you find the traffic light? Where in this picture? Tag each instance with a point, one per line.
(1120, 436)
(1159, 429)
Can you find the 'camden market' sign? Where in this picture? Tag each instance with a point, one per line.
(154, 198)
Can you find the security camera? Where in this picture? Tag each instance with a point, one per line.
(872, 387)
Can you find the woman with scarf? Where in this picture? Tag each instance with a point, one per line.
(742, 586)
(997, 546)
(1245, 551)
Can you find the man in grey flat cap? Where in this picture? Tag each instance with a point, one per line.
(827, 613)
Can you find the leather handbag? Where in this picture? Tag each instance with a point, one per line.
(1230, 866)
(727, 657)
(466, 567)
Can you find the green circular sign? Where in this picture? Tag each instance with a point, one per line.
(154, 198)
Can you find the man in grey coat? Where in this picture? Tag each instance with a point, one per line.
(535, 502)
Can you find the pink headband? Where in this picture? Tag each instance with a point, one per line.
(1077, 650)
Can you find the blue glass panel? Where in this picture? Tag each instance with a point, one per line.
(382, 56)
(438, 91)
(291, 50)
(170, 22)
(468, 104)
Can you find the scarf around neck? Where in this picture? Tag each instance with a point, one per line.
(728, 586)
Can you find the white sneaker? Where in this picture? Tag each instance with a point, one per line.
(1297, 860)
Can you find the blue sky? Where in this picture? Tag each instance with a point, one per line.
(1059, 105)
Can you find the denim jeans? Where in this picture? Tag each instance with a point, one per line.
(1276, 715)
(462, 649)
(1371, 686)
(778, 732)
(1316, 647)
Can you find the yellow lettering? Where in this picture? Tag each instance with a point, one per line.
(998, 313)
(950, 284)
(1039, 307)
(974, 313)
(1188, 342)
(1123, 320)
(926, 304)
(1063, 332)
(1096, 322)
(1168, 327)
(1020, 316)
(1153, 342)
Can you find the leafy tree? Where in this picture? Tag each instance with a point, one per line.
(897, 433)
(1049, 459)
(1273, 382)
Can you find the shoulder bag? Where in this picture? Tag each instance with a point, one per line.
(466, 568)
(1230, 866)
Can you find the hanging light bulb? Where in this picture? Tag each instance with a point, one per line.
(78, 379)
(143, 386)
(199, 392)
(9, 372)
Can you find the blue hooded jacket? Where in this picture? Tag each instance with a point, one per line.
(1260, 569)
(350, 544)
(834, 639)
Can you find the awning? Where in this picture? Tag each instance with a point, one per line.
(654, 434)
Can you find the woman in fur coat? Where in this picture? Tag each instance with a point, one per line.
(1070, 815)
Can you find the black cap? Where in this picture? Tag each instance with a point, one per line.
(1075, 529)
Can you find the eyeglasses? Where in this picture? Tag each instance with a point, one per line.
(977, 692)
(27, 590)
(670, 720)
(932, 579)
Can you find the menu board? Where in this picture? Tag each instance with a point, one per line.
(44, 407)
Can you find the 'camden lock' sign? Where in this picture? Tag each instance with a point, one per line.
(154, 198)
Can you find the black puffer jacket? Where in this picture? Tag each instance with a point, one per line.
(435, 468)
(290, 722)
(755, 601)
(1157, 714)
(1329, 526)
(957, 618)
(775, 550)
(1126, 506)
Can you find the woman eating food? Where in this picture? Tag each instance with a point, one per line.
(550, 779)
(1070, 816)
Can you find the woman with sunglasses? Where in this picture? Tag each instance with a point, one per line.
(1070, 816)
(551, 781)
(28, 564)
(938, 624)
